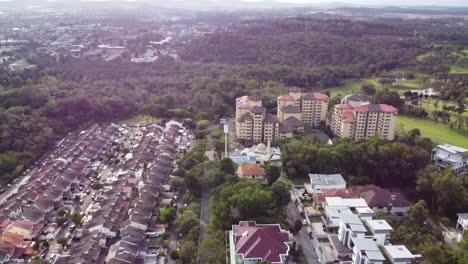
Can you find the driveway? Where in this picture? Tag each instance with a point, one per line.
(302, 237)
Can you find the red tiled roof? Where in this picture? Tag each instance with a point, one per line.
(347, 117)
(18, 253)
(286, 98)
(251, 170)
(379, 197)
(315, 96)
(12, 238)
(344, 106)
(376, 108)
(5, 223)
(37, 229)
(267, 242)
(24, 224)
(343, 193)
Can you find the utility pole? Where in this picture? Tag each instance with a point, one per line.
(226, 134)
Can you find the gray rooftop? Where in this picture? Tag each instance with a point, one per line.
(327, 179)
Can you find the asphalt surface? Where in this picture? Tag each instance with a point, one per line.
(302, 237)
(205, 208)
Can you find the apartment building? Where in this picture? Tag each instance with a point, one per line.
(363, 120)
(310, 108)
(255, 125)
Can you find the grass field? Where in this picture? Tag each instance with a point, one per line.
(410, 84)
(457, 70)
(428, 104)
(140, 120)
(437, 132)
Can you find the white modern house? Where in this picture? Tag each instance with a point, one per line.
(380, 231)
(350, 227)
(399, 254)
(454, 157)
(336, 206)
(462, 226)
(321, 182)
(365, 251)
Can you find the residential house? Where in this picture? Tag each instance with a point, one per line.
(392, 202)
(252, 173)
(399, 254)
(380, 231)
(251, 243)
(321, 182)
(462, 226)
(336, 206)
(456, 158)
(351, 227)
(25, 228)
(365, 251)
(319, 198)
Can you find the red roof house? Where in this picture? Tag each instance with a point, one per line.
(265, 242)
(252, 172)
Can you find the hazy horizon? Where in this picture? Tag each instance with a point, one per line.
(370, 3)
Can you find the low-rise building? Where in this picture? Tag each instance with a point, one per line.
(320, 182)
(257, 154)
(392, 202)
(380, 231)
(462, 226)
(251, 243)
(399, 254)
(252, 173)
(365, 251)
(456, 158)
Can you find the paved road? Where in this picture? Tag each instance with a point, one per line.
(205, 205)
(302, 237)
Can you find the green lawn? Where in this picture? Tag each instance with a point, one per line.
(458, 70)
(410, 84)
(439, 133)
(428, 104)
(425, 55)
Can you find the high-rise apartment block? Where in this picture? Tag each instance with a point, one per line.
(356, 119)
(295, 111)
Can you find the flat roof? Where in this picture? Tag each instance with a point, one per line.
(378, 225)
(452, 148)
(349, 202)
(398, 251)
(327, 179)
(369, 247)
(463, 215)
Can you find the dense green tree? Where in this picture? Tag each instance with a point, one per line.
(167, 215)
(272, 173)
(281, 193)
(387, 96)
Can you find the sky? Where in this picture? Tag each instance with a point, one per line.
(381, 2)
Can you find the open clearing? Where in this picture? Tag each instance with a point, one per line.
(437, 132)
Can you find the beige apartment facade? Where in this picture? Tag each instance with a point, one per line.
(363, 121)
(310, 108)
